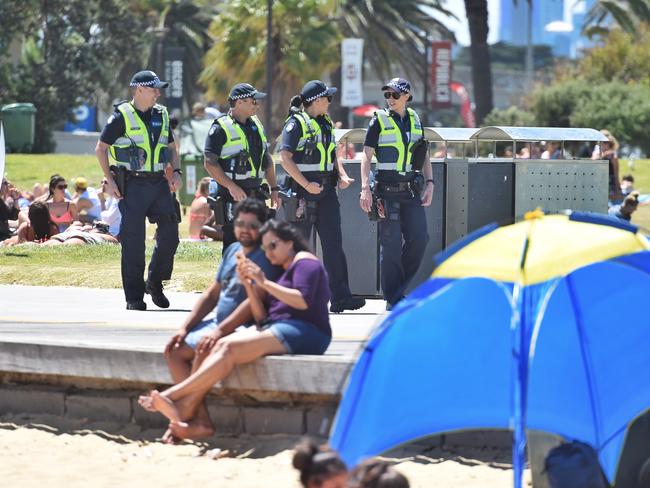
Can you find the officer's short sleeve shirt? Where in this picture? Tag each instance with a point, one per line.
(372, 134)
(215, 140)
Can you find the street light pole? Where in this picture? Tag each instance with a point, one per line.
(269, 63)
(529, 47)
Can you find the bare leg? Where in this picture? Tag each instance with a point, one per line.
(173, 402)
(216, 234)
(179, 362)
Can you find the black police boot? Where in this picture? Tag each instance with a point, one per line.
(136, 305)
(349, 303)
(157, 296)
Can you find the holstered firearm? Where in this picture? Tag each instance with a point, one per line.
(419, 154)
(119, 174)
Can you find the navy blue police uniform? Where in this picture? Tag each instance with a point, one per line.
(402, 227)
(321, 211)
(146, 194)
(248, 176)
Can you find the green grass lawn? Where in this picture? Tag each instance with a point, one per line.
(195, 265)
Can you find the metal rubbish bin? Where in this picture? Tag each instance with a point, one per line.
(556, 181)
(18, 120)
(192, 135)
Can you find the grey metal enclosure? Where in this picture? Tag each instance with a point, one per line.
(493, 174)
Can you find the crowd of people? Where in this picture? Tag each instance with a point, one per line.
(50, 214)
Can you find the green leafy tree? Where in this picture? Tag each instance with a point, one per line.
(305, 45)
(622, 56)
(70, 49)
(511, 116)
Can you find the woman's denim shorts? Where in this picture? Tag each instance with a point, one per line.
(299, 337)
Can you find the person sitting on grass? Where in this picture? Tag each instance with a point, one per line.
(39, 228)
(188, 347)
(200, 211)
(293, 319)
(62, 210)
(320, 467)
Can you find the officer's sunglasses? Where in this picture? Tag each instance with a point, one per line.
(394, 95)
(253, 101)
(329, 98)
(242, 224)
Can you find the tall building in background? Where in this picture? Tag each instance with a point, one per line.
(577, 16)
(514, 21)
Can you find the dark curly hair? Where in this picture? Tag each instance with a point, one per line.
(316, 464)
(252, 206)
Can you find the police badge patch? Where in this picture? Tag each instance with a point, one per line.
(290, 126)
(212, 129)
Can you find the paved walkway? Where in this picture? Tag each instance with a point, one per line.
(97, 318)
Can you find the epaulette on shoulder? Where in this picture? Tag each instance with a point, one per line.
(119, 103)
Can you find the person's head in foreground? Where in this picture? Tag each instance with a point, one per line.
(374, 473)
(250, 215)
(281, 241)
(320, 467)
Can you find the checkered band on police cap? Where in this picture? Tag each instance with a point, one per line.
(399, 84)
(245, 90)
(147, 78)
(316, 89)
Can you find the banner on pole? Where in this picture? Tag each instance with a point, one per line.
(173, 62)
(351, 68)
(441, 74)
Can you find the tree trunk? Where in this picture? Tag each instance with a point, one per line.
(477, 17)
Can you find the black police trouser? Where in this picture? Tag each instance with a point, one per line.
(327, 221)
(403, 239)
(146, 198)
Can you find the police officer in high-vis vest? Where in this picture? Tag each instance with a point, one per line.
(308, 154)
(403, 187)
(141, 146)
(237, 157)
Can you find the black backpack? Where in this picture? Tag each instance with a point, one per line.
(574, 465)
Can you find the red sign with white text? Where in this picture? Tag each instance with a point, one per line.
(441, 74)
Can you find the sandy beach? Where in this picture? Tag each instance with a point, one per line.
(37, 454)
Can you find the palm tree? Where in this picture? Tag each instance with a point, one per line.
(477, 17)
(305, 45)
(393, 30)
(627, 14)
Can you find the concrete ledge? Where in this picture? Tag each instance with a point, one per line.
(310, 375)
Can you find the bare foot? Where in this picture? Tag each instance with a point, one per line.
(191, 430)
(146, 402)
(164, 405)
(169, 437)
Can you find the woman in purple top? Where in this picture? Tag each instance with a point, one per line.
(295, 309)
(296, 321)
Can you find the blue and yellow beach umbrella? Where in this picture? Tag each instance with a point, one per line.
(519, 328)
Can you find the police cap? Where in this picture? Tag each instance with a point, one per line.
(245, 90)
(400, 85)
(147, 78)
(316, 89)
